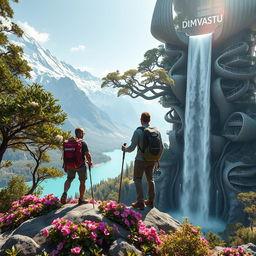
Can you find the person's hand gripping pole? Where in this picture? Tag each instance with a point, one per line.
(122, 169)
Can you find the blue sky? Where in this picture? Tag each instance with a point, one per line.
(96, 35)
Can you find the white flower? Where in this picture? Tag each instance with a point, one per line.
(33, 103)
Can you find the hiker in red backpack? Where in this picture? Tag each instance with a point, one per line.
(75, 150)
(149, 145)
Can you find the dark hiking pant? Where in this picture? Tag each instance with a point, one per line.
(141, 167)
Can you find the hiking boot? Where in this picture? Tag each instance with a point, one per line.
(138, 205)
(63, 198)
(82, 201)
(149, 204)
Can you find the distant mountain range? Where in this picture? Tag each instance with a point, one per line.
(108, 120)
(76, 91)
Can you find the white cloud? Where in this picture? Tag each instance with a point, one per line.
(40, 37)
(78, 48)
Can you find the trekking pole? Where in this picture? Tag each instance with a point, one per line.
(120, 187)
(91, 185)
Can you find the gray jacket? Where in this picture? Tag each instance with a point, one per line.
(137, 141)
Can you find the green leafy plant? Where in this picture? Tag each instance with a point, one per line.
(243, 235)
(12, 252)
(214, 240)
(15, 189)
(249, 201)
(185, 241)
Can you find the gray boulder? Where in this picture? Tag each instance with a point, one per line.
(250, 248)
(26, 245)
(29, 239)
(120, 248)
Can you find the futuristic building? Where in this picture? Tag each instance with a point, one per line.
(231, 136)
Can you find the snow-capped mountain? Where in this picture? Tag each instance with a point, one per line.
(44, 65)
(73, 88)
(99, 110)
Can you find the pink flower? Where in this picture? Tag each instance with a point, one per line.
(116, 212)
(194, 230)
(45, 232)
(54, 252)
(150, 238)
(76, 250)
(74, 236)
(100, 241)
(92, 227)
(57, 221)
(127, 222)
(116, 228)
(124, 214)
(204, 240)
(106, 232)
(93, 235)
(65, 231)
(60, 246)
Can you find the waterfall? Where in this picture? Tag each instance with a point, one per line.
(195, 186)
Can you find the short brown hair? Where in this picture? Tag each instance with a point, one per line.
(145, 116)
(78, 130)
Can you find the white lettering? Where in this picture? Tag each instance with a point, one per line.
(209, 20)
(199, 21)
(193, 23)
(184, 24)
(202, 21)
(219, 18)
(214, 18)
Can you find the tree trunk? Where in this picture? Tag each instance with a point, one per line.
(35, 181)
(3, 148)
(32, 189)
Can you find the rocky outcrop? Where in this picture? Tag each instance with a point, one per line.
(29, 240)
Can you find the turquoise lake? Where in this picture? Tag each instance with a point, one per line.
(110, 169)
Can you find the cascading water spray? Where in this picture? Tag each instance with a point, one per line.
(195, 186)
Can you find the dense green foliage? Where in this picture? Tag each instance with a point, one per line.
(15, 189)
(249, 201)
(185, 241)
(214, 240)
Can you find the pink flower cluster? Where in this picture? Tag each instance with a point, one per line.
(144, 235)
(85, 235)
(239, 251)
(139, 235)
(120, 213)
(29, 206)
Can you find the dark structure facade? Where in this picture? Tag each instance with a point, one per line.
(233, 97)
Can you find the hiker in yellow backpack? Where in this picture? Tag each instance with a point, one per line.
(75, 150)
(149, 145)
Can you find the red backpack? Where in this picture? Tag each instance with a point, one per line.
(72, 153)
